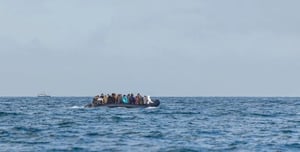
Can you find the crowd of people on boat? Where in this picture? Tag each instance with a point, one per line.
(122, 99)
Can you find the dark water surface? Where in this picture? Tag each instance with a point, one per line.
(179, 124)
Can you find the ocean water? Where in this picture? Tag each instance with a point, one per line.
(178, 124)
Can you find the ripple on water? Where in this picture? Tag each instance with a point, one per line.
(65, 123)
(293, 145)
(4, 133)
(92, 134)
(26, 129)
(154, 135)
(180, 149)
(179, 124)
(3, 114)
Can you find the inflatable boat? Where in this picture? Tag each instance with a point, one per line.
(113, 105)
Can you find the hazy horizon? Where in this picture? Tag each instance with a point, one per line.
(158, 48)
(152, 96)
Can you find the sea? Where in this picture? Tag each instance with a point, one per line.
(179, 124)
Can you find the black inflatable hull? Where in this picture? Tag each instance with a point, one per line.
(154, 104)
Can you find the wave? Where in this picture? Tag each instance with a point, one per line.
(27, 129)
(63, 124)
(204, 124)
(293, 145)
(9, 114)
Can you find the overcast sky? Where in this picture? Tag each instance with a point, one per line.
(155, 47)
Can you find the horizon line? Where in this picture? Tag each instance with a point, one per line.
(216, 96)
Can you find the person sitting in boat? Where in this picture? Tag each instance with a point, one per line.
(119, 98)
(128, 98)
(105, 98)
(145, 99)
(110, 99)
(125, 99)
(138, 99)
(95, 99)
(132, 99)
(142, 100)
(113, 97)
(148, 100)
(102, 95)
(100, 100)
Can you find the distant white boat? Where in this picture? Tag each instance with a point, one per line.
(43, 95)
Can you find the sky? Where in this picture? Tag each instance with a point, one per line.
(156, 47)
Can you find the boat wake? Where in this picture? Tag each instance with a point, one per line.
(76, 107)
(151, 108)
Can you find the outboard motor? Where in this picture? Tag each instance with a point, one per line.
(88, 105)
(155, 103)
